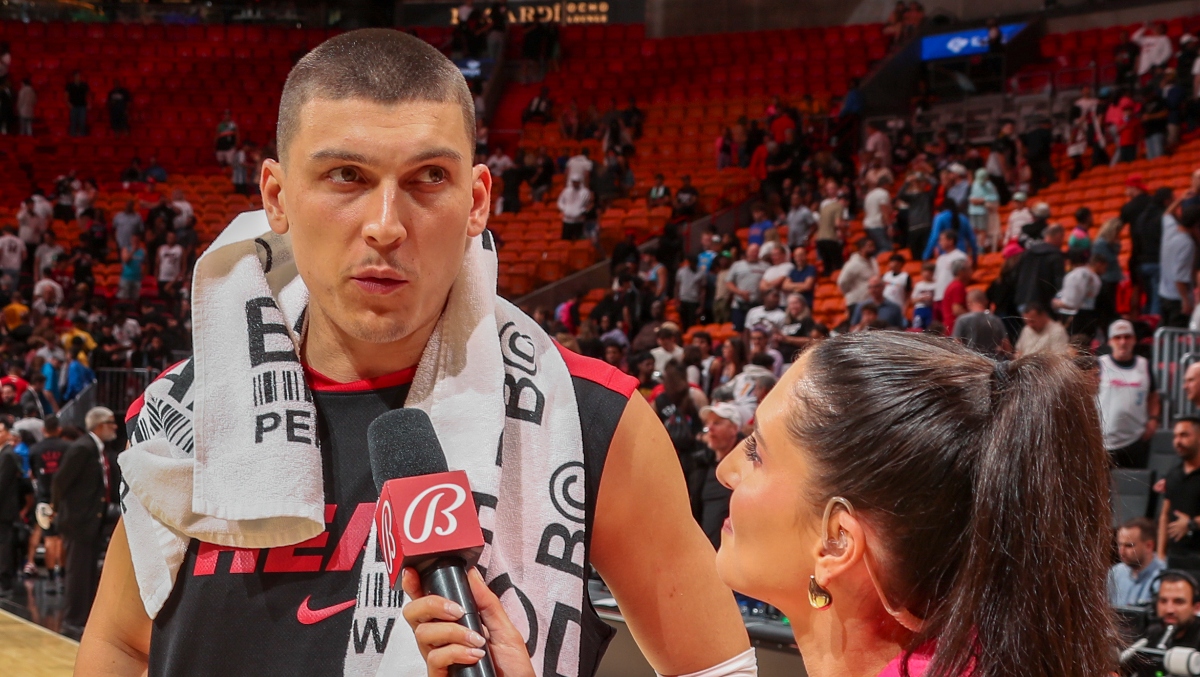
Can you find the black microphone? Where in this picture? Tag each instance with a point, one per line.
(426, 516)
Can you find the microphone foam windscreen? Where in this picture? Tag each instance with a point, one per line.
(403, 443)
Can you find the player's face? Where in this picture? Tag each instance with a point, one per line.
(380, 201)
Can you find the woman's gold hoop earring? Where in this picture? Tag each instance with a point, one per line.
(818, 597)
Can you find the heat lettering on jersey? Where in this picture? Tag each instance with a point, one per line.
(305, 557)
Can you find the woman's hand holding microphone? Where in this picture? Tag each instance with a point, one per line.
(444, 643)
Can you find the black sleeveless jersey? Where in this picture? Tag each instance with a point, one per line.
(289, 611)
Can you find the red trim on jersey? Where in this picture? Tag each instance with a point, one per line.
(598, 371)
(136, 407)
(322, 383)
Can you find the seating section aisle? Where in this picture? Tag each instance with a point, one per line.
(690, 89)
(182, 79)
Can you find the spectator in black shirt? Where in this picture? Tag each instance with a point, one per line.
(1126, 59)
(1179, 519)
(539, 108)
(1038, 145)
(44, 458)
(542, 175)
(133, 173)
(1139, 199)
(77, 98)
(1154, 123)
(1175, 607)
(118, 108)
(633, 117)
(687, 199)
(722, 432)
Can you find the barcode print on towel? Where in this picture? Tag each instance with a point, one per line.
(287, 386)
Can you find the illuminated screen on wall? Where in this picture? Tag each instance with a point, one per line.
(963, 43)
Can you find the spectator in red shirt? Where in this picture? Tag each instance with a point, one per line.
(780, 125)
(954, 301)
(1128, 131)
(758, 163)
(15, 380)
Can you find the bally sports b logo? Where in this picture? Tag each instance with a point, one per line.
(434, 494)
(421, 517)
(387, 538)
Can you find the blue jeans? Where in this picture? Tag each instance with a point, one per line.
(1154, 145)
(1150, 274)
(78, 125)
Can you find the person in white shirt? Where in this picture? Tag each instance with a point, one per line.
(898, 283)
(26, 100)
(183, 210)
(579, 167)
(780, 268)
(858, 271)
(499, 161)
(943, 273)
(877, 212)
(46, 255)
(12, 254)
(1128, 400)
(668, 347)
(769, 315)
(30, 224)
(1077, 298)
(574, 202)
(47, 295)
(1019, 217)
(1041, 333)
(170, 261)
(1156, 47)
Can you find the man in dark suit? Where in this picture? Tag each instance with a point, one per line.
(79, 498)
(12, 501)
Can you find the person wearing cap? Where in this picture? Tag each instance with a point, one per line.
(722, 432)
(1019, 217)
(1129, 404)
(961, 188)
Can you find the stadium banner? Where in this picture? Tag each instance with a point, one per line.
(964, 43)
(571, 12)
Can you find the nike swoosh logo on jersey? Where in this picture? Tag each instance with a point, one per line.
(308, 616)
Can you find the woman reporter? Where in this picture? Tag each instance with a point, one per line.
(903, 499)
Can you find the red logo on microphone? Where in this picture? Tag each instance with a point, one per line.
(420, 517)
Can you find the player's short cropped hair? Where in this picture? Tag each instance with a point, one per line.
(379, 64)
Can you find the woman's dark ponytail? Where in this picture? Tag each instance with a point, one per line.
(1036, 548)
(988, 487)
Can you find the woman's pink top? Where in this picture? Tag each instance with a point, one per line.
(916, 664)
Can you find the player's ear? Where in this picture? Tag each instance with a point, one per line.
(270, 184)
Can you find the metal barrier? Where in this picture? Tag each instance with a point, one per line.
(118, 388)
(1174, 351)
(73, 412)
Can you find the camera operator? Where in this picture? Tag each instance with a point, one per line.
(1130, 581)
(1179, 520)
(1175, 605)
